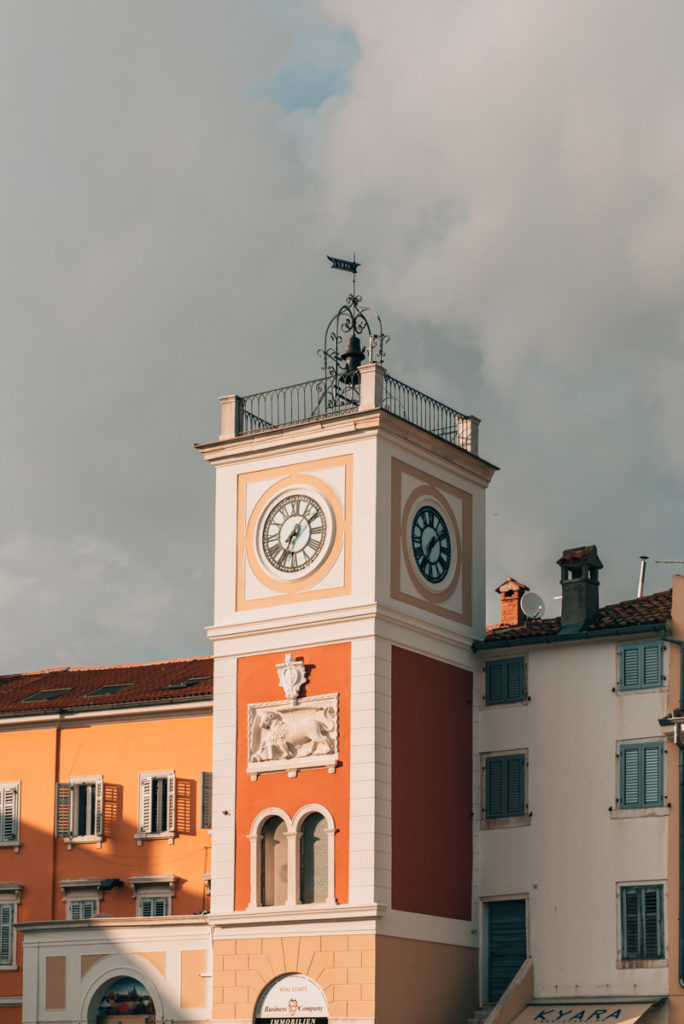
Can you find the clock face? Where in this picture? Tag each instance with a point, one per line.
(430, 543)
(294, 533)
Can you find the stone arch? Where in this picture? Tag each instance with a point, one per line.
(116, 969)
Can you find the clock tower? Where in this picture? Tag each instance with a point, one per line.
(349, 587)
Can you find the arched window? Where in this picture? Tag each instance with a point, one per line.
(273, 862)
(313, 860)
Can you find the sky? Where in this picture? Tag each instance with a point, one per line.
(511, 177)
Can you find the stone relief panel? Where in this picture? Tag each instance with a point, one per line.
(289, 735)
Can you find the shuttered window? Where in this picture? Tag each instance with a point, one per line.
(505, 786)
(82, 910)
(153, 906)
(642, 922)
(79, 808)
(7, 912)
(206, 799)
(157, 811)
(641, 665)
(505, 681)
(641, 775)
(9, 812)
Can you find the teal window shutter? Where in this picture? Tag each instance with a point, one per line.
(505, 786)
(642, 774)
(505, 681)
(642, 922)
(641, 665)
(6, 936)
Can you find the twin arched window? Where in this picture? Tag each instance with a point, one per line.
(292, 860)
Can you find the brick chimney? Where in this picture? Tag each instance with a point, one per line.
(579, 587)
(511, 595)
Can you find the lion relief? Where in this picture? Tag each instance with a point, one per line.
(298, 732)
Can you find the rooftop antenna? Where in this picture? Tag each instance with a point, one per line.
(642, 575)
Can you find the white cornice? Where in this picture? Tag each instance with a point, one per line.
(307, 919)
(337, 625)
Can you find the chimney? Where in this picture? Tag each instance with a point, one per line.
(579, 587)
(511, 595)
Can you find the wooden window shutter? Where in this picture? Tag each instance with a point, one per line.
(63, 810)
(494, 772)
(171, 803)
(495, 682)
(9, 813)
(145, 812)
(630, 924)
(652, 922)
(653, 774)
(6, 922)
(516, 785)
(207, 780)
(652, 671)
(505, 681)
(99, 808)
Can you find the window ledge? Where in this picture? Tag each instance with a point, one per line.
(11, 845)
(493, 823)
(631, 964)
(146, 836)
(70, 841)
(521, 703)
(640, 812)
(9, 967)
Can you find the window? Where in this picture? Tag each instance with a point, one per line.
(505, 681)
(292, 859)
(641, 665)
(9, 814)
(154, 906)
(505, 786)
(641, 775)
(81, 910)
(78, 809)
(642, 930)
(10, 897)
(273, 863)
(7, 940)
(157, 809)
(153, 894)
(206, 800)
(313, 860)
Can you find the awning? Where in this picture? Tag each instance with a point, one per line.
(581, 1013)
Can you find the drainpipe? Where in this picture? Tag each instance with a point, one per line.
(678, 741)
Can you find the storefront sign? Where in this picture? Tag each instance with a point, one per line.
(586, 1013)
(294, 998)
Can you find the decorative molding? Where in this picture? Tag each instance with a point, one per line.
(290, 736)
(292, 676)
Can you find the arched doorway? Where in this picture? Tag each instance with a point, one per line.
(294, 998)
(125, 1001)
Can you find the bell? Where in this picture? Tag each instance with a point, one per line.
(353, 355)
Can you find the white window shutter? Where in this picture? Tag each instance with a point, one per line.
(145, 804)
(9, 813)
(99, 806)
(171, 803)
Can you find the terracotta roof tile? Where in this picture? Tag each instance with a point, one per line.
(71, 689)
(639, 611)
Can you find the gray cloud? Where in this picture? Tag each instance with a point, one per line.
(511, 176)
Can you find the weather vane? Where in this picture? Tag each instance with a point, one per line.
(350, 324)
(349, 265)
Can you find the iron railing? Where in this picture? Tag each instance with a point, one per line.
(336, 396)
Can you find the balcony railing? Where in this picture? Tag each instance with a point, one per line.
(325, 398)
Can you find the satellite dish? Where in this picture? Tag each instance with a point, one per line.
(532, 605)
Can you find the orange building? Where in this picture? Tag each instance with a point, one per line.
(349, 588)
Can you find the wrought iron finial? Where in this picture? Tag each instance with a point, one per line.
(343, 351)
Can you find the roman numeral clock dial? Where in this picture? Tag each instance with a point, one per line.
(430, 544)
(294, 533)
